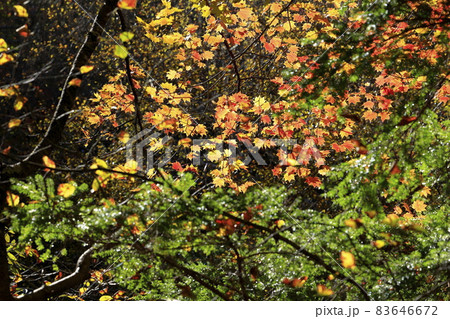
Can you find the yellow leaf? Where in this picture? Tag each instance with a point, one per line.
(86, 68)
(105, 298)
(218, 181)
(169, 87)
(150, 91)
(12, 199)
(262, 103)
(21, 11)
(419, 206)
(5, 58)
(214, 155)
(311, 35)
(124, 137)
(3, 45)
(347, 259)
(66, 190)
(391, 219)
(172, 74)
(127, 4)
(14, 122)
(48, 162)
(425, 191)
(379, 243)
(322, 290)
(19, 102)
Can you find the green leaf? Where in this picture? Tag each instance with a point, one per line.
(120, 51)
(126, 36)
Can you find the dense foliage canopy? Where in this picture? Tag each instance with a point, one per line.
(224, 150)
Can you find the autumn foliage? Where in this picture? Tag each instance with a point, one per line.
(241, 150)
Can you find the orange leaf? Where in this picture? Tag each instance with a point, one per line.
(66, 190)
(75, 82)
(369, 115)
(269, 47)
(177, 166)
(322, 290)
(48, 162)
(127, 4)
(245, 13)
(313, 181)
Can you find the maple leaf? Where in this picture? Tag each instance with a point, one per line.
(379, 243)
(66, 190)
(86, 68)
(353, 99)
(48, 162)
(21, 11)
(120, 51)
(419, 206)
(385, 115)
(126, 36)
(299, 282)
(127, 4)
(12, 199)
(245, 13)
(14, 122)
(322, 290)
(177, 166)
(262, 103)
(368, 105)
(425, 191)
(347, 260)
(219, 181)
(269, 47)
(314, 181)
(124, 137)
(75, 82)
(172, 74)
(369, 115)
(214, 156)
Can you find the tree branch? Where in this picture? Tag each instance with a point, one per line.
(313, 257)
(76, 278)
